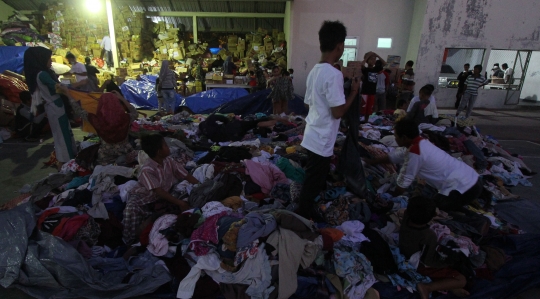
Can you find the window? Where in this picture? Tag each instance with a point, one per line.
(384, 42)
(349, 53)
(453, 63)
(515, 60)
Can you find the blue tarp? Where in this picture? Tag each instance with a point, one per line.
(142, 94)
(211, 99)
(12, 59)
(259, 102)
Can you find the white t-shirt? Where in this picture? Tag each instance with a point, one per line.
(324, 91)
(78, 68)
(508, 74)
(440, 170)
(106, 43)
(431, 109)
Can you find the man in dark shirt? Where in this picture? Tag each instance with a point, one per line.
(369, 82)
(462, 77)
(91, 72)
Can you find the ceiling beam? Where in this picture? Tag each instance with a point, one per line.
(213, 14)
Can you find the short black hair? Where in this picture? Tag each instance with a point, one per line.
(407, 128)
(466, 64)
(478, 66)
(70, 56)
(25, 96)
(331, 34)
(291, 71)
(426, 90)
(400, 103)
(409, 63)
(251, 73)
(151, 144)
(378, 63)
(87, 60)
(275, 67)
(504, 65)
(421, 210)
(285, 73)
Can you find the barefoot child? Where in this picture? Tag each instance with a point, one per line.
(415, 235)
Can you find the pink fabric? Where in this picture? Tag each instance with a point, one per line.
(265, 174)
(72, 226)
(206, 233)
(159, 245)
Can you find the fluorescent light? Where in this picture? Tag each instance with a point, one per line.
(93, 5)
(384, 42)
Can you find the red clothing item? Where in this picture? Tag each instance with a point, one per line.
(72, 226)
(367, 104)
(46, 214)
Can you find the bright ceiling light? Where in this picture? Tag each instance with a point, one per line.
(93, 5)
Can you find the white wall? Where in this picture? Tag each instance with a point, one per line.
(531, 89)
(416, 29)
(367, 19)
(474, 24)
(5, 11)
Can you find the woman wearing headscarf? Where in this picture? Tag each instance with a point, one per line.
(167, 81)
(228, 66)
(42, 83)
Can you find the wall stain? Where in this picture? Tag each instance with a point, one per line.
(476, 19)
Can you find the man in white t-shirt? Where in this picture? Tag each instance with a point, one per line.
(508, 73)
(107, 48)
(431, 109)
(327, 104)
(77, 68)
(458, 183)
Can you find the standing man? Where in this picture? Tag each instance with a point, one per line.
(496, 71)
(327, 104)
(406, 82)
(471, 90)
(369, 82)
(462, 77)
(383, 80)
(508, 73)
(107, 51)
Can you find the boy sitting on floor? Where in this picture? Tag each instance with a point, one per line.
(423, 110)
(158, 175)
(415, 235)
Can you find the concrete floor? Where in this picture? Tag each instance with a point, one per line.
(22, 162)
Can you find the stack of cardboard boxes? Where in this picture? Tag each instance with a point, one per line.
(133, 35)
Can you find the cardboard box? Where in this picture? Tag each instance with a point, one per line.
(217, 77)
(96, 53)
(57, 59)
(269, 48)
(121, 71)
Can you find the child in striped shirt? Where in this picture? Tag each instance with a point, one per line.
(471, 91)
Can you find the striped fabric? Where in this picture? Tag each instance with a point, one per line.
(474, 83)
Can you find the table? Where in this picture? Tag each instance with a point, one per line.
(222, 85)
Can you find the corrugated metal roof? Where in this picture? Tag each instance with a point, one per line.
(204, 24)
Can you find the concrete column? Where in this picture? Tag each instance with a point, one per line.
(112, 34)
(195, 37)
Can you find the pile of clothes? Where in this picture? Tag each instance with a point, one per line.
(242, 239)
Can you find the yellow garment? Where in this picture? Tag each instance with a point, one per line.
(89, 103)
(290, 150)
(400, 113)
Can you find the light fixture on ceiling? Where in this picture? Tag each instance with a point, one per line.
(93, 5)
